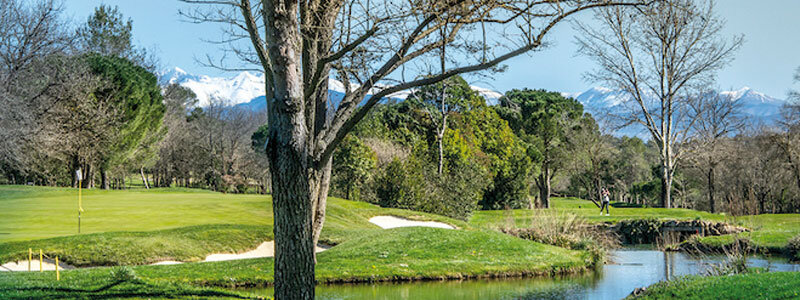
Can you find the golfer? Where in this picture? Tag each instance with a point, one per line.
(605, 194)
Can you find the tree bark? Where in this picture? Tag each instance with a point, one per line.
(666, 167)
(104, 184)
(711, 189)
(87, 176)
(666, 186)
(320, 203)
(294, 255)
(292, 172)
(544, 187)
(440, 141)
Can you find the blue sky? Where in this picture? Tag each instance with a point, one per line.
(765, 63)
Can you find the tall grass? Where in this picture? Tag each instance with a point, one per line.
(563, 229)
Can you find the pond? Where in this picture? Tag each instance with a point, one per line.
(628, 270)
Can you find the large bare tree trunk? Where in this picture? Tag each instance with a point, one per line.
(297, 53)
(288, 150)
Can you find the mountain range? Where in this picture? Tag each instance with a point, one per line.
(246, 90)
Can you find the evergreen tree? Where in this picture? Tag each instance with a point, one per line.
(135, 93)
(545, 121)
(107, 32)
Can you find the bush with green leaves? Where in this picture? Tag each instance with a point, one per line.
(456, 192)
(415, 184)
(400, 185)
(353, 165)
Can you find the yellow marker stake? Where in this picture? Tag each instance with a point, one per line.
(58, 276)
(40, 261)
(30, 256)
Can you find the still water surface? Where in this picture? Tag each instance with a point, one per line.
(629, 269)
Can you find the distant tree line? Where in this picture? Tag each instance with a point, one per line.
(71, 103)
(88, 100)
(210, 147)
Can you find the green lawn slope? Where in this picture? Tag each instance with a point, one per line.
(135, 227)
(395, 254)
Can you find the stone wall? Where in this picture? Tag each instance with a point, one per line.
(647, 231)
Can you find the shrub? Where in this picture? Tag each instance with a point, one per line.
(400, 186)
(414, 184)
(456, 192)
(353, 164)
(123, 274)
(794, 247)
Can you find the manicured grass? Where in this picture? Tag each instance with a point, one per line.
(768, 230)
(99, 284)
(586, 209)
(779, 285)
(40, 212)
(134, 227)
(401, 253)
(192, 243)
(394, 254)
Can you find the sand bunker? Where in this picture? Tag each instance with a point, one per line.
(22, 266)
(266, 249)
(387, 222)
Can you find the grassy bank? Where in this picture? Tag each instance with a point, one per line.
(779, 285)
(771, 231)
(391, 255)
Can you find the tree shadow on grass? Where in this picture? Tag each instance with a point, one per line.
(131, 288)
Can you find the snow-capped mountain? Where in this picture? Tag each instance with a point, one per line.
(758, 107)
(247, 89)
(755, 103)
(599, 99)
(492, 97)
(239, 89)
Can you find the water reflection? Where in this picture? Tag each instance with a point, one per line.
(629, 269)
